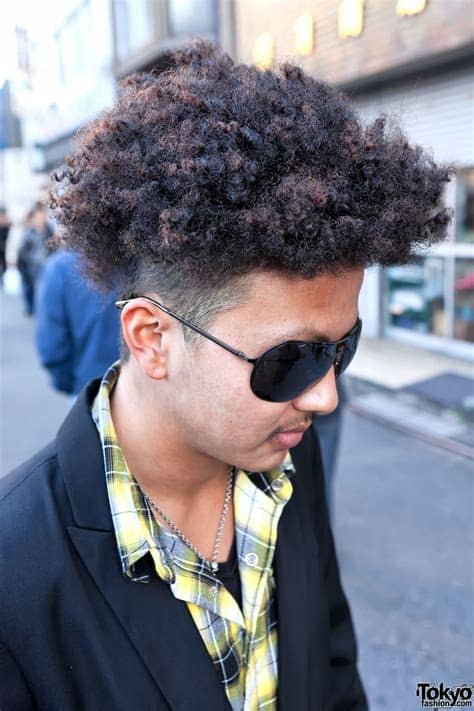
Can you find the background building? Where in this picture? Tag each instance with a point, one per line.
(413, 59)
(146, 30)
(72, 75)
(410, 58)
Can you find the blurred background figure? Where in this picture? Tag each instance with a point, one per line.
(33, 252)
(328, 430)
(77, 330)
(5, 225)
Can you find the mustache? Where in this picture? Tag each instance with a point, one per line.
(295, 426)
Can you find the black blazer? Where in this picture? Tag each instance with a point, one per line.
(75, 635)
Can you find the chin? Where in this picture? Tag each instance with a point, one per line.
(264, 463)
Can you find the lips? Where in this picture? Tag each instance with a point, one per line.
(289, 438)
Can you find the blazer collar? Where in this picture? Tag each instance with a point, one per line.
(292, 587)
(158, 626)
(80, 458)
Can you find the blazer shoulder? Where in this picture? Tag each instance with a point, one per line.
(29, 474)
(34, 510)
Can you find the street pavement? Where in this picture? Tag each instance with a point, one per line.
(30, 410)
(404, 531)
(403, 524)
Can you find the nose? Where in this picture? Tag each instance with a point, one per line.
(321, 397)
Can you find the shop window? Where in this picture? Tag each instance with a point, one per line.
(134, 23)
(192, 17)
(416, 296)
(410, 7)
(73, 44)
(304, 34)
(264, 51)
(350, 18)
(465, 205)
(464, 299)
(22, 49)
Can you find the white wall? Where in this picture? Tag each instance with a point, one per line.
(369, 309)
(437, 113)
(20, 187)
(61, 106)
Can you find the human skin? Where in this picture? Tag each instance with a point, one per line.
(39, 220)
(185, 413)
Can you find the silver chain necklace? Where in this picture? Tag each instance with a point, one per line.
(212, 564)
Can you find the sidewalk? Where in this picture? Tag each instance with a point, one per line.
(394, 365)
(415, 391)
(30, 410)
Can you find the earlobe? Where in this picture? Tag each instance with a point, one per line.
(143, 333)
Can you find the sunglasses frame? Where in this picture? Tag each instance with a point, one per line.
(337, 345)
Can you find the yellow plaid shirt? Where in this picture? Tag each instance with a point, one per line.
(242, 643)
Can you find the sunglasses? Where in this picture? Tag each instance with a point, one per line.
(284, 371)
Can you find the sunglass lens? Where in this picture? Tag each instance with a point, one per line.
(347, 353)
(282, 373)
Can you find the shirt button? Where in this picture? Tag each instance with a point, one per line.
(214, 591)
(251, 559)
(276, 484)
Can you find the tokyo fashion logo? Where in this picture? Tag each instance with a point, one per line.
(439, 696)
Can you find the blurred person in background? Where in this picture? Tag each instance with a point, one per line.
(184, 558)
(32, 252)
(77, 328)
(5, 225)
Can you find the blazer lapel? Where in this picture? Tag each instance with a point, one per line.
(293, 595)
(159, 627)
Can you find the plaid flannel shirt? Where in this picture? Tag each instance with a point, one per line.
(242, 643)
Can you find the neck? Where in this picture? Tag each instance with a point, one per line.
(164, 466)
(188, 486)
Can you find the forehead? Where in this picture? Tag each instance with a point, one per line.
(279, 306)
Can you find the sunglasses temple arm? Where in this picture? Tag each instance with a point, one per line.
(192, 326)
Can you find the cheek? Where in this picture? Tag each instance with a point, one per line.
(226, 404)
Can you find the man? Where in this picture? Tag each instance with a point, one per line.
(171, 549)
(5, 226)
(77, 328)
(33, 253)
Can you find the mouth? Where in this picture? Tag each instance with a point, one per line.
(286, 439)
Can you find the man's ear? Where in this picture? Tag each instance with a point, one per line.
(143, 328)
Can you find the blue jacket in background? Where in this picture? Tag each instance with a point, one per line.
(77, 333)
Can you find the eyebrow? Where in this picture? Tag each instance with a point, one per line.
(316, 336)
(313, 335)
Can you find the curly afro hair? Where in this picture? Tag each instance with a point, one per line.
(217, 168)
